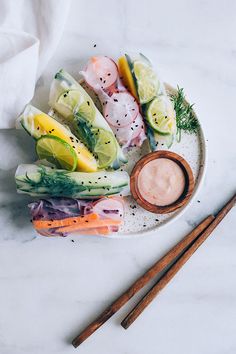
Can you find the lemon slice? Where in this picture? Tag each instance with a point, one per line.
(159, 117)
(105, 148)
(56, 151)
(147, 81)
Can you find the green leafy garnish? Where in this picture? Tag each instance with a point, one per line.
(57, 182)
(185, 116)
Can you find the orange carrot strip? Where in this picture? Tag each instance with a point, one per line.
(98, 231)
(90, 224)
(48, 224)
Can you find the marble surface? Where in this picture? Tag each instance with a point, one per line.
(51, 288)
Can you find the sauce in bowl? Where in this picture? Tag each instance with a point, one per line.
(161, 182)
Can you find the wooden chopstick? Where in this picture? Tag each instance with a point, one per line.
(170, 273)
(141, 282)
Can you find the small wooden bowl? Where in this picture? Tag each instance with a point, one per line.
(189, 182)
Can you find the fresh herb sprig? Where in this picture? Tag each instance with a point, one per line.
(185, 117)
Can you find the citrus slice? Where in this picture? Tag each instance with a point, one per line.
(147, 81)
(87, 110)
(72, 101)
(56, 151)
(126, 76)
(161, 119)
(68, 101)
(105, 148)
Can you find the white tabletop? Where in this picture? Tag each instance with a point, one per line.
(51, 288)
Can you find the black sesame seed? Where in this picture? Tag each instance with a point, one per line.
(94, 45)
(132, 128)
(72, 241)
(144, 225)
(100, 78)
(37, 128)
(109, 74)
(198, 201)
(126, 115)
(133, 214)
(73, 146)
(74, 221)
(154, 114)
(115, 100)
(88, 103)
(156, 219)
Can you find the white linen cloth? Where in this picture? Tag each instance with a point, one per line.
(30, 31)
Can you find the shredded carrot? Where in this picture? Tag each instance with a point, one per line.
(90, 224)
(97, 231)
(74, 221)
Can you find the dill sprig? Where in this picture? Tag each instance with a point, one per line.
(185, 117)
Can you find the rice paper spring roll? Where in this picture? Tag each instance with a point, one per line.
(41, 181)
(71, 101)
(64, 216)
(139, 76)
(119, 107)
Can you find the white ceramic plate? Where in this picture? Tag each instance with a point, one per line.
(138, 221)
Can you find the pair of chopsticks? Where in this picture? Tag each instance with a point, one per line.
(175, 259)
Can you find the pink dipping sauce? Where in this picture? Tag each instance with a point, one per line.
(161, 182)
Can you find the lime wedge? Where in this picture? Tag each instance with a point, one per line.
(159, 118)
(73, 101)
(105, 148)
(56, 151)
(147, 81)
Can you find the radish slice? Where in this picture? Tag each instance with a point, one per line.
(100, 72)
(110, 208)
(120, 109)
(126, 134)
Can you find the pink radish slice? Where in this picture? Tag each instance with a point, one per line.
(100, 72)
(111, 208)
(120, 109)
(125, 134)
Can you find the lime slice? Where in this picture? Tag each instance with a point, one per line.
(147, 81)
(70, 99)
(159, 118)
(56, 151)
(87, 110)
(105, 148)
(74, 102)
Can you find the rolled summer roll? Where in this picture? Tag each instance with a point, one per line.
(160, 120)
(120, 108)
(72, 102)
(65, 216)
(43, 181)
